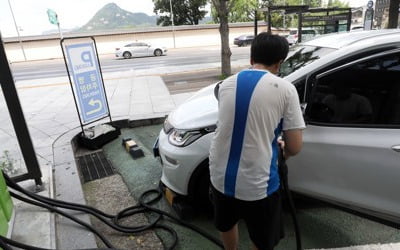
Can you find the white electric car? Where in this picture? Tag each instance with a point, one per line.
(137, 49)
(349, 89)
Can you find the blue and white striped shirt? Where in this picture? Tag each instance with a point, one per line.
(254, 107)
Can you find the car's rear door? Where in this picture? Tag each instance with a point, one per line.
(351, 155)
(143, 49)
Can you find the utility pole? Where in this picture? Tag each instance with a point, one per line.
(393, 14)
(16, 27)
(172, 21)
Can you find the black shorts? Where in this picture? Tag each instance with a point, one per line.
(263, 217)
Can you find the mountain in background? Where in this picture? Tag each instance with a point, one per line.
(111, 16)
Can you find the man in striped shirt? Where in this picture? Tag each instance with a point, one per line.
(255, 108)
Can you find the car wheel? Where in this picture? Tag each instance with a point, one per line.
(199, 188)
(127, 55)
(157, 52)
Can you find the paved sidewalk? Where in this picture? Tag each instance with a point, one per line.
(52, 119)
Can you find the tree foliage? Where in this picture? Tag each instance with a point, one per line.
(184, 11)
(240, 11)
(338, 3)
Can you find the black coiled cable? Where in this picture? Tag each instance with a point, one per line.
(112, 221)
(283, 174)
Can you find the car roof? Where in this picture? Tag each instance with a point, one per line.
(339, 40)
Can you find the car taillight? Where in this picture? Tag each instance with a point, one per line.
(295, 36)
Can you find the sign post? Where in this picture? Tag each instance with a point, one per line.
(53, 19)
(86, 80)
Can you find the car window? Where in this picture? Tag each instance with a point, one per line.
(308, 32)
(293, 32)
(364, 94)
(301, 55)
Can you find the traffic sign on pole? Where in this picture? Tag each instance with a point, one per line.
(53, 19)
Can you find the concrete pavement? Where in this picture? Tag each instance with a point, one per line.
(52, 119)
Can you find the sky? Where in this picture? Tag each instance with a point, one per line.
(31, 15)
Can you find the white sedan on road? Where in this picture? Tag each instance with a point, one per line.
(137, 49)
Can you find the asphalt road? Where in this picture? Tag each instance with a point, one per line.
(184, 57)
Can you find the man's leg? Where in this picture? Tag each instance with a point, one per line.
(263, 219)
(231, 238)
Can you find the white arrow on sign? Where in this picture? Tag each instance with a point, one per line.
(93, 102)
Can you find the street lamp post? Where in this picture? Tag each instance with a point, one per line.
(16, 28)
(172, 21)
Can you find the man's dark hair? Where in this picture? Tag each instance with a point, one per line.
(269, 49)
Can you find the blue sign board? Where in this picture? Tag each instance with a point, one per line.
(88, 84)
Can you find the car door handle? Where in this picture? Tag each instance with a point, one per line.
(396, 148)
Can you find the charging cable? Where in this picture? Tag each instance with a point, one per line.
(144, 206)
(283, 174)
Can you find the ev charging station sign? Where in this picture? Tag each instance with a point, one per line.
(87, 81)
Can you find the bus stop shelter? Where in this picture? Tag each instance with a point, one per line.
(325, 20)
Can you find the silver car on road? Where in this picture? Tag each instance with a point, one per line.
(137, 49)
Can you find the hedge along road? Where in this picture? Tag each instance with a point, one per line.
(321, 226)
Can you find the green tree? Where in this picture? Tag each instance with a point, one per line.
(184, 11)
(240, 11)
(338, 3)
